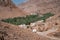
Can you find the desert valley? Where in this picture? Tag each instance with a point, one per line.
(31, 20)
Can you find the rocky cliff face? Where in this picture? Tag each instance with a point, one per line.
(41, 6)
(7, 3)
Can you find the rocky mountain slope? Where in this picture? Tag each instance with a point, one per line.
(8, 9)
(11, 32)
(41, 6)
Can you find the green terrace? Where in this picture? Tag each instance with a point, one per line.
(28, 19)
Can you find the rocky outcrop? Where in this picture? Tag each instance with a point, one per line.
(6, 3)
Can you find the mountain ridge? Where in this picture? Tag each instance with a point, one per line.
(41, 6)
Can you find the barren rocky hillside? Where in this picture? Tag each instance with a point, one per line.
(8, 9)
(11, 32)
(41, 6)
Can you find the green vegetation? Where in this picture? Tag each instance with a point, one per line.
(28, 19)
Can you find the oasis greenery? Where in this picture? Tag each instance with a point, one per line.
(28, 19)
